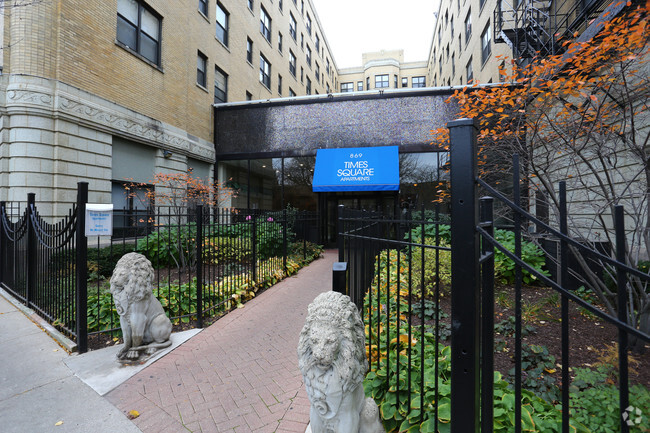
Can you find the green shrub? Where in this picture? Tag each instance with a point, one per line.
(227, 249)
(531, 254)
(104, 259)
(170, 247)
(424, 280)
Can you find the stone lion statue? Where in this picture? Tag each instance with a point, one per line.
(332, 360)
(145, 326)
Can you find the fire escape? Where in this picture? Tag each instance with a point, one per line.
(537, 28)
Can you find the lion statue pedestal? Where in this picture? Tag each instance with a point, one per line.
(145, 326)
(332, 359)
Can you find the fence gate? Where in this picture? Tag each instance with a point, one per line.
(432, 358)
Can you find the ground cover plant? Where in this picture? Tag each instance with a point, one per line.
(400, 328)
(178, 297)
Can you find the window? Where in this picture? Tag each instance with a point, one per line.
(452, 26)
(265, 71)
(279, 84)
(440, 34)
(291, 92)
(327, 68)
(468, 26)
(405, 82)
(249, 96)
(302, 74)
(292, 26)
(138, 29)
(265, 24)
(418, 81)
(486, 43)
(250, 4)
(367, 83)
(317, 42)
(460, 47)
(328, 88)
(222, 24)
(447, 52)
(308, 86)
(360, 86)
(201, 64)
(453, 64)
(302, 7)
(302, 41)
(317, 71)
(481, 3)
(347, 87)
(292, 63)
(440, 65)
(280, 5)
(220, 86)
(279, 42)
(469, 70)
(381, 81)
(249, 50)
(203, 7)
(308, 55)
(308, 23)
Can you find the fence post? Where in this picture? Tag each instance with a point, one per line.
(32, 270)
(3, 206)
(284, 239)
(199, 265)
(487, 317)
(621, 284)
(254, 249)
(339, 234)
(81, 268)
(465, 300)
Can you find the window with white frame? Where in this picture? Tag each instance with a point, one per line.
(381, 81)
(279, 42)
(308, 24)
(308, 87)
(418, 82)
(468, 26)
(347, 87)
(249, 50)
(405, 82)
(308, 56)
(203, 7)
(469, 70)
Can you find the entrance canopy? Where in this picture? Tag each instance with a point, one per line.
(357, 169)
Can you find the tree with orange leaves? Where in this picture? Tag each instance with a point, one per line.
(581, 116)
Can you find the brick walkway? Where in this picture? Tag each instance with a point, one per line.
(238, 375)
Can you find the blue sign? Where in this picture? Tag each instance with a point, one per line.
(357, 169)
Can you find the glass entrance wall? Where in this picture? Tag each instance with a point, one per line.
(275, 183)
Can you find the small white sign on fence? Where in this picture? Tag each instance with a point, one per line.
(99, 219)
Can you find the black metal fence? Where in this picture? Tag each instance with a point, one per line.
(426, 289)
(207, 260)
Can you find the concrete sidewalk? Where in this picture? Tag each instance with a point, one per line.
(37, 389)
(240, 374)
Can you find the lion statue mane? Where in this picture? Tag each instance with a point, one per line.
(145, 326)
(332, 360)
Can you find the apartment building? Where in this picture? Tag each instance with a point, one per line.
(105, 92)
(384, 69)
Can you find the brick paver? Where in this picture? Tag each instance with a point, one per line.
(238, 375)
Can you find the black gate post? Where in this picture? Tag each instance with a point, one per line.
(199, 265)
(81, 268)
(465, 299)
(3, 243)
(32, 248)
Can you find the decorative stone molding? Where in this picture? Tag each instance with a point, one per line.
(26, 93)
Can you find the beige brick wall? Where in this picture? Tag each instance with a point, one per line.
(74, 41)
(383, 62)
(456, 11)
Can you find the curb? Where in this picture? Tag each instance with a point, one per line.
(63, 341)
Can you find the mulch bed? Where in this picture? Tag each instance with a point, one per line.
(590, 338)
